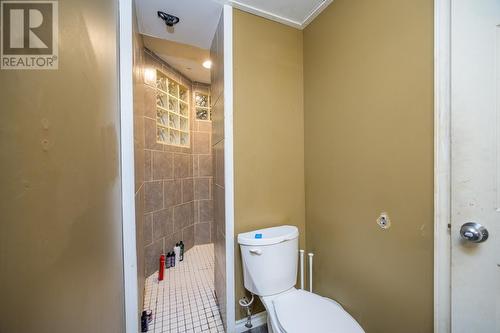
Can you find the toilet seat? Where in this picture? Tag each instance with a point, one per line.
(300, 311)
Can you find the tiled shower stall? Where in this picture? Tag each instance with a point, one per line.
(174, 191)
(177, 196)
(177, 180)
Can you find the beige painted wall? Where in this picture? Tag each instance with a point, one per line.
(61, 265)
(268, 129)
(368, 68)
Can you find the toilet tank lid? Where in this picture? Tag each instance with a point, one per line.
(268, 236)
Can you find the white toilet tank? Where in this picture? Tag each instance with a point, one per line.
(269, 259)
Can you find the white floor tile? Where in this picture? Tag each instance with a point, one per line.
(185, 301)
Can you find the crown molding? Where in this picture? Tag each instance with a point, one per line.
(284, 20)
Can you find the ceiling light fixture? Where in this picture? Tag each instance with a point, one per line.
(149, 76)
(207, 64)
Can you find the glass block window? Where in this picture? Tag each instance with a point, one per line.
(202, 104)
(172, 111)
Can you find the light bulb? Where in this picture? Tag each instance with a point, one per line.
(207, 64)
(149, 76)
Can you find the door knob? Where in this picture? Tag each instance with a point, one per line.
(474, 232)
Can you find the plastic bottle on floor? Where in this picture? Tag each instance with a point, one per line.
(177, 251)
(169, 260)
(172, 259)
(162, 267)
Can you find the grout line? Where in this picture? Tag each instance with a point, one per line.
(185, 300)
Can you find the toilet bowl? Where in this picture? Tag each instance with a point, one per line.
(270, 272)
(299, 311)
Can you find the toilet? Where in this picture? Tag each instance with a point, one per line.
(270, 258)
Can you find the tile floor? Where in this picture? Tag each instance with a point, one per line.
(185, 301)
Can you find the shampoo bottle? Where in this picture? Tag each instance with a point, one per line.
(181, 244)
(169, 260)
(177, 251)
(172, 259)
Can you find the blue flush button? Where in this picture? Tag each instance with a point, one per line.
(258, 236)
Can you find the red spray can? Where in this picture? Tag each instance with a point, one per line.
(162, 267)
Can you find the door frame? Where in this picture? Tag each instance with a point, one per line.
(125, 70)
(127, 170)
(229, 166)
(442, 166)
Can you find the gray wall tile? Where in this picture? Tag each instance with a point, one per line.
(206, 211)
(219, 209)
(150, 135)
(152, 256)
(195, 166)
(196, 211)
(205, 165)
(163, 165)
(138, 151)
(182, 166)
(149, 102)
(218, 120)
(148, 229)
(163, 223)
(170, 174)
(219, 163)
(202, 189)
(204, 126)
(172, 192)
(148, 165)
(188, 237)
(173, 239)
(153, 196)
(213, 231)
(201, 143)
(183, 216)
(187, 190)
(201, 233)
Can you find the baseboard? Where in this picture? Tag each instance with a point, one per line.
(258, 319)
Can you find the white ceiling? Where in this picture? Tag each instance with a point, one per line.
(187, 59)
(296, 13)
(198, 20)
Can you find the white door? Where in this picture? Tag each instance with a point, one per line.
(475, 131)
